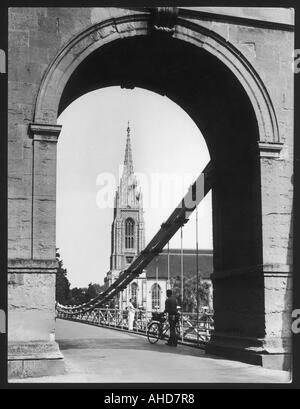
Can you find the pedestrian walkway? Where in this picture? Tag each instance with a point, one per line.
(101, 355)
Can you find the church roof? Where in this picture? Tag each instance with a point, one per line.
(205, 263)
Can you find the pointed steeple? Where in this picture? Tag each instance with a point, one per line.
(128, 205)
(128, 163)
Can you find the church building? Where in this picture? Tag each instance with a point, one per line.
(148, 291)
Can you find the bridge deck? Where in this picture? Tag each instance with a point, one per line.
(94, 354)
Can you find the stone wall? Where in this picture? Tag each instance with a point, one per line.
(36, 37)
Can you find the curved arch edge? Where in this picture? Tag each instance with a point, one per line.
(80, 46)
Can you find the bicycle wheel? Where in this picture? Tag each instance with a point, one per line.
(153, 332)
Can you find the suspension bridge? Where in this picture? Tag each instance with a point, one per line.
(101, 355)
(195, 328)
(91, 311)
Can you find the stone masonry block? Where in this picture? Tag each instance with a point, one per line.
(18, 38)
(22, 20)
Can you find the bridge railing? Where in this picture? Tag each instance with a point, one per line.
(194, 329)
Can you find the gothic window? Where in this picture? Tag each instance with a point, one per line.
(134, 287)
(155, 297)
(129, 233)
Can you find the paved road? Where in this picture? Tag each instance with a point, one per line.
(94, 354)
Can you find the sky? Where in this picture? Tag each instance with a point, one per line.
(169, 152)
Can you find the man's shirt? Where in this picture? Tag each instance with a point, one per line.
(171, 305)
(131, 307)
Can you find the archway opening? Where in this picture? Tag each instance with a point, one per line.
(168, 153)
(216, 101)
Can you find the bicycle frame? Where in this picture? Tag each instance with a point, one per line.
(163, 326)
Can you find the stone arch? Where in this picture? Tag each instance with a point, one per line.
(240, 322)
(82, 45)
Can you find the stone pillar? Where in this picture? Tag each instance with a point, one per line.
(32, 348)
(277, 220)
(44, 190)
(252, 304)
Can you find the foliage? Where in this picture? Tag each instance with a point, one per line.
(85, 294)
(62, 288)
(190, 292)
(77, 296)
(72, 296)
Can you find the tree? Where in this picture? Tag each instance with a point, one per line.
(189, 303)
(83, 295)
(62, 289)
(72, 296)
(92, 291)
(77, 296)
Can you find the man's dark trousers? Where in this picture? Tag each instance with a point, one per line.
(172, 322)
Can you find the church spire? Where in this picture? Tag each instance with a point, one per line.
(128, 163)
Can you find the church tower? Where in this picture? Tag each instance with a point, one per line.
(128, 231)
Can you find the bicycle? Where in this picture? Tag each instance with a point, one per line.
(159, 328)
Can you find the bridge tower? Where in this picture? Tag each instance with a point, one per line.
(128, 229)
(230, 69)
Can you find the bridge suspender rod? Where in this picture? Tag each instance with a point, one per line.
(178, 218)
(169, 284)
(156, 278)
(197, 276)
(181, 265)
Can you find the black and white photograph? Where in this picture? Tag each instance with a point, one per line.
(150, 197)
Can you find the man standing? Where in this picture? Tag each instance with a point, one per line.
(171, 309)
(131, 314)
